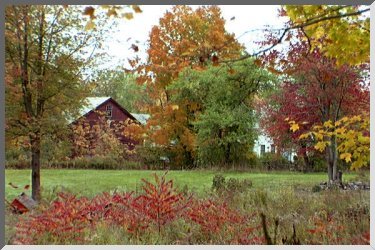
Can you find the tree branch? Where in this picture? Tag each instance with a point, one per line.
(299, 26)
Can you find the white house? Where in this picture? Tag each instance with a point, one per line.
(264, 144)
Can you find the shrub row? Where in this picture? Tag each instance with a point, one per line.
(95, 162)
(161, 214)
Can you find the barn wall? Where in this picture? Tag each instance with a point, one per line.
(118, 115)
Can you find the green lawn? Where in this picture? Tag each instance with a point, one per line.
(91, 182)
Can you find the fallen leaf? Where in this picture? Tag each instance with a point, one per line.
(12, 185)
(89, 11)
(135, 48)
(128, 15)
(136, 9)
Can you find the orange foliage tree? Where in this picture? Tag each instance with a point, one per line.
(184, 38)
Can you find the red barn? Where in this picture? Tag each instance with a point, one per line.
(99, 108)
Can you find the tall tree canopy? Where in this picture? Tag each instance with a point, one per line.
(46, 50)
(340, 32)
(220, 104)
(316, 90)
(184, 38)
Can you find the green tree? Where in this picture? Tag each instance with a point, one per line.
(122, 87)
(184, 38)
(46, 51)
(220, 102)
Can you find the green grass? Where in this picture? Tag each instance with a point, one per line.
(91, 182)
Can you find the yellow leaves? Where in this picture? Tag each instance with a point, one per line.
(128, 15)
(317, 127)
(89, 25)
(346, 156)
(351, 135)
(343, 35)
(175, 107)
(340, 130)
(344, 119)
(304, 136)
(112, 12)
(294, 127)
(318, 135)
(364, 139)
(321, 145)
(136, 9)
(328, 124)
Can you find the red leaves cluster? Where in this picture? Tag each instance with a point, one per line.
(212, 216)
(69, 218)
(326, 227)
(316, 90)
(161, 203)
(64, 219)
(363, 239)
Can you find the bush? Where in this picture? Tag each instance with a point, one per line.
(17, 164)
(232, 185)
(271, 161)
(218, 182)
(97, 162)
(316, 189)
(153, 157)
(237, 185)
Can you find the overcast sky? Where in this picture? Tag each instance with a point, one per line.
(247, 18)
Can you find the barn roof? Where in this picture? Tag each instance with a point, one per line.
(142, 118)
(94, 102)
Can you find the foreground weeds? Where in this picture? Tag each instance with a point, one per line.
(161, 214)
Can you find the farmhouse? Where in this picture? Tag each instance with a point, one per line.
(98, 109)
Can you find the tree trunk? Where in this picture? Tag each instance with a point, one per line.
(35, 165)
(227, 153)
(306, 166)
(331, 159)
(334, 158)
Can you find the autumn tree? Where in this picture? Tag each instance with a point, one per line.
(315, 90)
(353, 138)
(184, 38)
(341, 32)
(220, 101)
(46, 51)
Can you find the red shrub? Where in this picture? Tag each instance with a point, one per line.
(363, 239)
(212, 216)
(64, 219)
(68, 218)
(161, 203)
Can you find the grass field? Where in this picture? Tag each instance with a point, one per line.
(91, 182)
